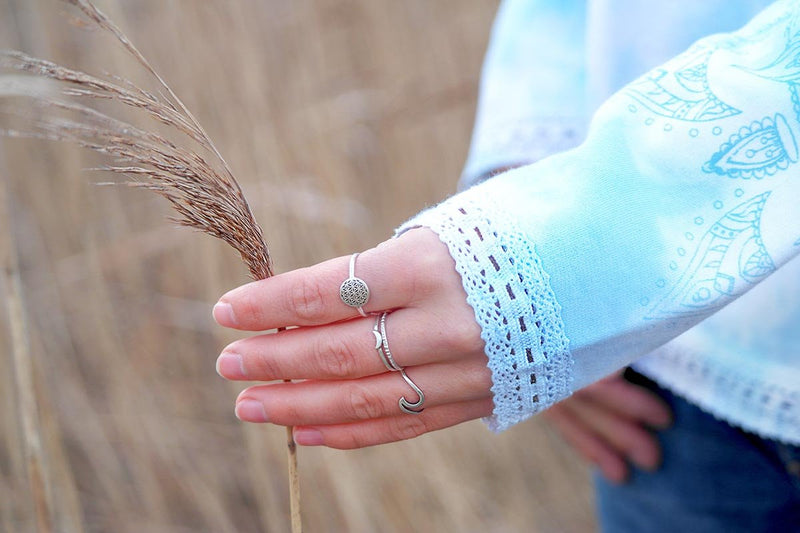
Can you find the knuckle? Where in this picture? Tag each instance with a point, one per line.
(478, 377)
(306, 299)
(256, 361)
(289, 413)
(466, 337)
(351, 441)
(362, 403)
(423, 284)
(427, 278)
(263, 366)
(335, 358)
(639, 443)
(249, 308)
(407, 427)
(358, 438)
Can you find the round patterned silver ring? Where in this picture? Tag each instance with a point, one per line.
(354, 291)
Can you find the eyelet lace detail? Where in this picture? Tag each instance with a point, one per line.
(514, 305)
(753, 404)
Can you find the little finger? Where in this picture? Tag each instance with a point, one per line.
(337, 402)
(392, 429)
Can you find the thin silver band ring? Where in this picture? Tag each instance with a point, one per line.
(387, 353)
(382, 347)
(379, 344)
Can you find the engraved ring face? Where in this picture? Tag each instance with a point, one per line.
(354, 292)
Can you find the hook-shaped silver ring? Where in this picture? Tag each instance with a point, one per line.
(406, 406)
(382, 347)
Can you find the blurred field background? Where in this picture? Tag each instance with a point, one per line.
(340, 118)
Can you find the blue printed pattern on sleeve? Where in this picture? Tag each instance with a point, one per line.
(682, 199)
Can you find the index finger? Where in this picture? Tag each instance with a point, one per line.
(398, 273)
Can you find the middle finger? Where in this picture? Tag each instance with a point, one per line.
(348, 349)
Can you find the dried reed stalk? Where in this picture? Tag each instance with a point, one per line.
(28, 405)
(204, 193)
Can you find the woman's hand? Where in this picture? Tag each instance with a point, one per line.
(608, 423)
(345, 396)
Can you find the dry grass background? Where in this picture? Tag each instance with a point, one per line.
(340, 118)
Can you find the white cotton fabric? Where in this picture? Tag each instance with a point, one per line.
(681, 199)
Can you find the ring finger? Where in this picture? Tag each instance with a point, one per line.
(392, 429)
(348, 349)
(337, 402)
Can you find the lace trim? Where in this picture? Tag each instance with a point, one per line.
(514, 305)
(760, 407)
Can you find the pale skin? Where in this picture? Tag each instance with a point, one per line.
(345, 398)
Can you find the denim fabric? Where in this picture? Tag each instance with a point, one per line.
(714, 478)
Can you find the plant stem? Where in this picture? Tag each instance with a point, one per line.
(294, 481)
(294, 478)
(23, 373)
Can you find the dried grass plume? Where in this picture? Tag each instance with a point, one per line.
(198, 183)
(204, 192)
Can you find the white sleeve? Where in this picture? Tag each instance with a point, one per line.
(682, 198)
(532, 91)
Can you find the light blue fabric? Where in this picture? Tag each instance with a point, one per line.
(532, 94)
(551, 63)
(681, 199)
(556, 25)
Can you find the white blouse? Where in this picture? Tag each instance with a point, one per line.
(652, 221)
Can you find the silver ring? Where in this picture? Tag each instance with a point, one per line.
(354, 291)
(379, 344)
(382, 347)
(387, 353)
(406, 406)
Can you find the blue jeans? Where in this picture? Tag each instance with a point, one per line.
(714, 478)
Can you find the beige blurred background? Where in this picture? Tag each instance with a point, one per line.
(341, 118)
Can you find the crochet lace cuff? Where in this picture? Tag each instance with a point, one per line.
(510, 293)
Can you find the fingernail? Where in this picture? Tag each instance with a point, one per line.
(307, 436)
(251, 411)
(230, 366)
(223, 314)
